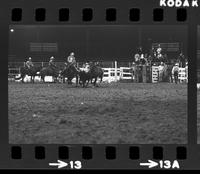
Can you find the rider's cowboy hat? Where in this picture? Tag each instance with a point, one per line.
(29, 58)
(72, 54)
(161, 63)
(176, 64)
(52, 58)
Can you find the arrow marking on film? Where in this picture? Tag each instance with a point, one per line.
(150, 164)
(59, 163)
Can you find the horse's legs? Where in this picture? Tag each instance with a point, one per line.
(76, 81)
(32, 79)
(87, 82)
(91, 80)
(23, 79)
(54, 79)
(95, 81)
(101, 79)
(42, 78)
(69, 81)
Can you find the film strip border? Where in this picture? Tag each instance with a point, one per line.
(158, 152)
(101, 156)
(88, 14)
(128, 156)
(19, 154)
(96, 12)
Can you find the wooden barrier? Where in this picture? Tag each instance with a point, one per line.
(111, 75)
(146, 74)
(125, 73)
(155, 74)
(182, 76)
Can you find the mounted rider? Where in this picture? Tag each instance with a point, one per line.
(71, 61)
(52, 64)
(29, 63)
(86, 67)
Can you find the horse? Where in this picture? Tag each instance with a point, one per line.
(70, 72)
(95, 72)
(84, 77)
(49, 71)
(30, 72)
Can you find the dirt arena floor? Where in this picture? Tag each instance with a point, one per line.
(114, 113)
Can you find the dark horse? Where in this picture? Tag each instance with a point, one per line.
(70, 72)
(95, 72)
(49, 71)
(84, 78)
(30, 72)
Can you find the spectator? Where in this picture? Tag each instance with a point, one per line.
(159, 50)
(175, 71)
(161, 71)
(137, 59)
(182, 60)
(142, 59)
(140, 51)
(29, 63)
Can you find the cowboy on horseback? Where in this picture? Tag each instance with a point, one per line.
(86, 67)
(52, 63)
(71, 61)
(29, 63)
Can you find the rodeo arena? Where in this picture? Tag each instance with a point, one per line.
(145, 68)
(97, 84)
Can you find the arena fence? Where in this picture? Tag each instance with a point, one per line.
(113, 72)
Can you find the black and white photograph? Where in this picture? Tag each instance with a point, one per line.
(98, 84)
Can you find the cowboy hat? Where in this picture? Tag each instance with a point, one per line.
(72, 54)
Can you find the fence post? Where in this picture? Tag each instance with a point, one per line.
(115, 70)
(42, 64)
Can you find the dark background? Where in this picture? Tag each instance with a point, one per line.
(198, 48)
(92, 42)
